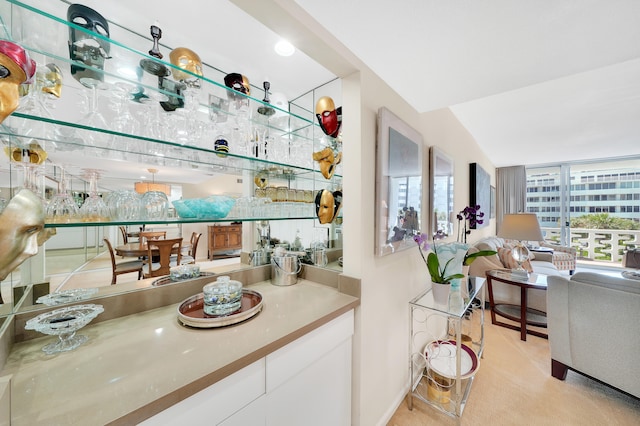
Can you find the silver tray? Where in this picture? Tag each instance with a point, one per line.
(167, 279)
(191, 311)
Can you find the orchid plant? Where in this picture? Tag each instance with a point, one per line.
(471, 216)
(438, 273)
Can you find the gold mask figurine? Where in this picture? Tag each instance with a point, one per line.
(187, 60)
(34, 154)
(51, 80)
(16, 68)
(21, 230)
(328, 205)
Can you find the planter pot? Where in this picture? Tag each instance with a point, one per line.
(441, 293)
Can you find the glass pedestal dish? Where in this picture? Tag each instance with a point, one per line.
(64, 323)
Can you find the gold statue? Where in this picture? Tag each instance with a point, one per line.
(21, 230)
(16, 68)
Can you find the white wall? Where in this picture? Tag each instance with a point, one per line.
(381, 376)
(381, 360)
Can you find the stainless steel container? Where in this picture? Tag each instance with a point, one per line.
(319, 256)
(259, 257)
(285, 269)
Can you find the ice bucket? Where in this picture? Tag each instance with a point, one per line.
(285, 269)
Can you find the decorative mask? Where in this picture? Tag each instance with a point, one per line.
(21, 223)
(327, 160)
(329, 117)
(33, 154)
(328, 205)
(87, 48)
(238, 82)
(188, 60)
(16, 68)
(51, 80)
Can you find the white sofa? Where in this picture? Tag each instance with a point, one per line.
(592, 324)
(505, 293)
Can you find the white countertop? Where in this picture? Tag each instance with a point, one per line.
(137, 365)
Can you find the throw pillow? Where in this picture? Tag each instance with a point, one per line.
(506, 257)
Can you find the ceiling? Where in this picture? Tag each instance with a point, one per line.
(533, 82)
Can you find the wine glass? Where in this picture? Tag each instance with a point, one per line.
(62, 208)
(94, 118)
(124, 122)
(94, 209)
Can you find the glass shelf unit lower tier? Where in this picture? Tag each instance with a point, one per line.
(170, 221)
(446, 344)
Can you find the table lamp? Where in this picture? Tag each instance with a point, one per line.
(521, 227)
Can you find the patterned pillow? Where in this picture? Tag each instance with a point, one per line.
(506, 257)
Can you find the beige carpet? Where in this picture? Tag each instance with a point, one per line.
(514, 387)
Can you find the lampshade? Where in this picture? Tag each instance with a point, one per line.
(521, 226)
(144, 187)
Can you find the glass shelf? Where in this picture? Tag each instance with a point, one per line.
(150, 149)
(127, 48)
(170, 221)
(285, 130)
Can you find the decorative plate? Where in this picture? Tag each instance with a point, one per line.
(441, 357)
(66, 296)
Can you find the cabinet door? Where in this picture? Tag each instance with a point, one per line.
(309, 380)
(235, 239)
(253, 414)
(219, 401)
(220, 240)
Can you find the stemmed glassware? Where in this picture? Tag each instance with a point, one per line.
(62, 208)
(94, 209)
(124, 121)
(94, 118)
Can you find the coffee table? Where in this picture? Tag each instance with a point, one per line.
(520, 313)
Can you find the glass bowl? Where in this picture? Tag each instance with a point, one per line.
(184, 272)
(64, 323)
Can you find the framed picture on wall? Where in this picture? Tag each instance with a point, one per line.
(480, 192)
(399, 174)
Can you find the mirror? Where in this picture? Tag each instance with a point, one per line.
(441, 168)
(180, 165)
(398, 184)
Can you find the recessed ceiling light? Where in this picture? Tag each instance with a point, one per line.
(284, 48)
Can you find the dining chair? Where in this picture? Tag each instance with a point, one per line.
(152, 235)
(164, 262)
(125, 237)
(122, 267)
(189, 255)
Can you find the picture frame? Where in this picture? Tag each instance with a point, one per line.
(399, 187)
(480, 192)
(441, 169)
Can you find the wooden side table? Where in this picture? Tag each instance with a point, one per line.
(520, 313)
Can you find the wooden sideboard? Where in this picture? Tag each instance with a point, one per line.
(224, 238)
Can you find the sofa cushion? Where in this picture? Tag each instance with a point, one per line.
(506, 257)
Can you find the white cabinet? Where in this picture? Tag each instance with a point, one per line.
(217, 402)
(309, 380)
(305, 382)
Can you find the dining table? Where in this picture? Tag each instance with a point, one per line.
(137, 249)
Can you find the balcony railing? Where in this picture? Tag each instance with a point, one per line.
(601, 245)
